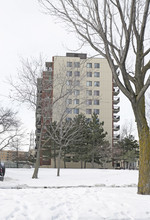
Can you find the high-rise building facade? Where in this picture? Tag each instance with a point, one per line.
(75, 84)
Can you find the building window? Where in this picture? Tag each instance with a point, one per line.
(89, 83)
(69, 82)
(69, 110)
(88, 120)
(96, 102)
(89, 101)
(89, 74)
(89, 111)
(96, 92)
(77, 92)
(69, 91)
(76, 73)
(97, 120)
(69, 101)
(69, 73)
(96, 74)
(96, 83)
(68, 119)
(76, 64)
(89, 65)
(69, 64)
(96, 111)
(76, 111)
(76, 101)
(96, 65)
(77, 83)
(89, 92)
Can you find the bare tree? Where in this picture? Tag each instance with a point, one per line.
(9, 128)
(18, 155)
(119, 31)
(127, 129)
(24, 91)
(64, 134)
(24, 88)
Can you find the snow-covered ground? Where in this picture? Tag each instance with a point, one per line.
(78, 194)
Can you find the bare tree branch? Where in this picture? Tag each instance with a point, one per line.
(24, 88)
(9, 127)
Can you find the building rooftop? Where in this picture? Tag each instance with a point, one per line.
(81, 55)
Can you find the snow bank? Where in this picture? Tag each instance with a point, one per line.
(75, 195)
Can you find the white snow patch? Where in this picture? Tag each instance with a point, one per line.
(78, 194)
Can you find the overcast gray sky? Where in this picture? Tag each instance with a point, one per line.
(27, 32)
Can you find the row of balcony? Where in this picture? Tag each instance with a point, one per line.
(116, 91)
(116, 100)
(116, 118)
(116, 109)
(116, 137)
(116, 128)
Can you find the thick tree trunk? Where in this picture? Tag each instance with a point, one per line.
(59, 158)
(55, 157)
(144, 144)
(37, 164)
(65, 162)
(92, 162)
(93, 159)
(144, 165)
(55, 165)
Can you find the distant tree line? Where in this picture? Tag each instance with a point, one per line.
(82, 140)
(126, 151)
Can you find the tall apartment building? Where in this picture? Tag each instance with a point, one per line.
(75, 84)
